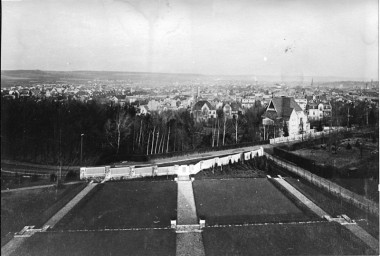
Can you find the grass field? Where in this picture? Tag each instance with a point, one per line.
(124, 205)
(244, 201)
(334, 206)
(151, 242)
(288, 239)
(32, 207)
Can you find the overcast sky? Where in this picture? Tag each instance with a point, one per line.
(261, 37)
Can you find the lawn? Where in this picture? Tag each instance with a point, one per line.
(236, 170)
(148, 242)
(343, 158)
(244, 201)
(334, 206)
(124, 205)
(288, 239)
(32, 207)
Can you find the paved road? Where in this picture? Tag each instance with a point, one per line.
(37, 187)
(208, 154)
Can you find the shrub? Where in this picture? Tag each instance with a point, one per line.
(71, 175)
(53, 177)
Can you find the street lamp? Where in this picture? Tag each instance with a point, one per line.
(81, 147)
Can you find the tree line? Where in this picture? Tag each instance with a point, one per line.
(50, 132)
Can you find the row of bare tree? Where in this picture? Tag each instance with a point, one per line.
(50, 132)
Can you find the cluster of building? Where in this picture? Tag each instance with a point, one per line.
(294, 106)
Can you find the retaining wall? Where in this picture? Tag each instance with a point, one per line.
(130, 172)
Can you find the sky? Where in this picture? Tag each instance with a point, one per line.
(218, 37)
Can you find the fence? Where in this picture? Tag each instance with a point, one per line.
(345, 194)
(130, 172)
(326, 171)
(307, 136)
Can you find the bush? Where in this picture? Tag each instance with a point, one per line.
(53, 177)
(72, 175)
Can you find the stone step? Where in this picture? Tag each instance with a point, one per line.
(184, 178)
(188, 228)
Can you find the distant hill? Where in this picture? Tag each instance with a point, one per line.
(26, 76)
(15, 77)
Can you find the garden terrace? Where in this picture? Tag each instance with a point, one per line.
(321, 238)
(142, 242)
(245, 201)
(143, 204)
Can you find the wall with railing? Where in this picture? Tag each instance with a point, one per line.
(130, 172)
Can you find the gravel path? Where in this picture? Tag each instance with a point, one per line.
(186, 210)
(312, 206)
(359, 232)
(369, 240)
(61, 213)
(190, 244)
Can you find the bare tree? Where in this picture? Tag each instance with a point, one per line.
(154, 129)
(147, 145)
(236, 129)
(167, 143)
(117, 129)
(224, 128)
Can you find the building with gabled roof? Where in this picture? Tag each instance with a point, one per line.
(285, 110)
(203, 110)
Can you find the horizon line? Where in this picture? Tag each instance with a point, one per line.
(199, 74)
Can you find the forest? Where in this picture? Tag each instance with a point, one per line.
(50, 132)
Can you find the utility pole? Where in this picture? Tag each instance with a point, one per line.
(60, 158)
(81, 147)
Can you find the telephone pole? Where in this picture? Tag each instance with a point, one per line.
(81, 148)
